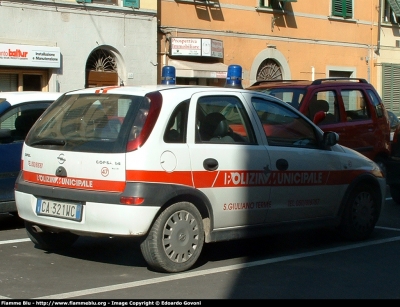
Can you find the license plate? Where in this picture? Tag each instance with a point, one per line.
(70, 211)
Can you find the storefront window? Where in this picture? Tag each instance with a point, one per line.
(13, 80)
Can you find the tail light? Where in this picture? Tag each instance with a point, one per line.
(155, 100)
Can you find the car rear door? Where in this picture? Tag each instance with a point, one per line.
(357, 122)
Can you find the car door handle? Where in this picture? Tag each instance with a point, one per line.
(210, 164)
(282, 164)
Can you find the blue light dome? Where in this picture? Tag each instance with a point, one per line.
(234, 76)
(168, 75)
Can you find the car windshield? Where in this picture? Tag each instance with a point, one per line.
(90, 122)
(292, 96)
(394, 120)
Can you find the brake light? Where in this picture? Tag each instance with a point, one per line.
(155, 100)
(131, 200)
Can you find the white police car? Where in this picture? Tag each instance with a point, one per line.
(180, 166)
(18, 112)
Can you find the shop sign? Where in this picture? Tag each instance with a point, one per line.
(29, 56)
(196, 47)
(212, 48)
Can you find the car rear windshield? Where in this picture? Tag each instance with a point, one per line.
(90, 123)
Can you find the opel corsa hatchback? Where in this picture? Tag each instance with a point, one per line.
(18, 112)
(180, 166)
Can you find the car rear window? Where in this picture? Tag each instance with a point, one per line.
(90, 123)
(292, 96)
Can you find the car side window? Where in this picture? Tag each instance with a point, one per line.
(355, 105)
(376, 102)
(19, 120)
(223, 119)
(326, 102)
(176, 127)
(292, 96)
(283, 127)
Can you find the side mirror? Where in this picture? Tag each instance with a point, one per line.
(330, 139)
(319, 117)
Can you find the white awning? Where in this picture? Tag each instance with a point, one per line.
(188, 69)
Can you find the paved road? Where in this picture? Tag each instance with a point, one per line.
(309, 264)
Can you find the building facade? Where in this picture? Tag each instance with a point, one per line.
(83, 43)
(65, 45)
(289, 39)
(275, 39)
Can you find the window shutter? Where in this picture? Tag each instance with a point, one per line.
(342, 8)
(391, 88)
(8, 82)
(132, 3)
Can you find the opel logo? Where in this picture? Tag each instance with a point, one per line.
(61, 159)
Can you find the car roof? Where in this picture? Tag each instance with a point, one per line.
(15, 98)
(177, 91)
(305, 83)
(141, 90)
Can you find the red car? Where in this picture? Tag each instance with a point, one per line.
(350, 107)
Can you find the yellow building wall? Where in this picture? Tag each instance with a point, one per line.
(305, 35)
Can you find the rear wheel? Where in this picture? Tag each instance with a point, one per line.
(49, 240)
(395, 192)
(175, 240)
(361, 213)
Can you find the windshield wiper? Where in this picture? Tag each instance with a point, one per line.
(49, 142)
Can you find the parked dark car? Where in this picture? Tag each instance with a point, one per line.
(18, 112)
(394, 123)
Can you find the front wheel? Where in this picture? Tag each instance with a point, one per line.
(49, 240)
(175, 240)
(361, 213)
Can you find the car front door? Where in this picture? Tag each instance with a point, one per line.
(228, 163)
(303, 176)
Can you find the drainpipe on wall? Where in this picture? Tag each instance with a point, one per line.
(378, 43)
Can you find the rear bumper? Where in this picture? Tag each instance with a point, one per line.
(98, 219)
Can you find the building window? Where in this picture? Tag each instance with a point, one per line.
(273, 4)
(342, 8)
(269, 70)
(126, 3)
(391, 11)
(109, 2)
(23, 80)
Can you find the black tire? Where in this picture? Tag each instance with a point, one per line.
(361, 213)
(395, 192)
(49, 240)
(175, 240)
